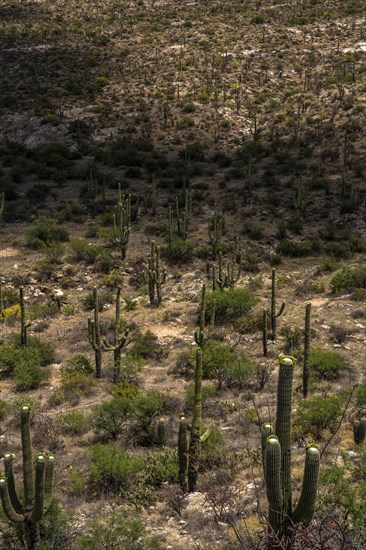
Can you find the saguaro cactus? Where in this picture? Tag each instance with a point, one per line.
(273, 313)
(38, 486)
(154, 276)
(278, 465)
(122, 222)
(359, 430)
(24, 325)
(183, 452)
(94, 335)
(194, 450)
(265, 332)
(215, 229)
(119, 340)
(306, 367)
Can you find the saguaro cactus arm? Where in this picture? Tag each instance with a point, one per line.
(9, 511)
(305, 508)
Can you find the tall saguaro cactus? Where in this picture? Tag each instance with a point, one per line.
(122, 222)
(94, 335)
(38, 485)
(183, 452)
(119, 340)
(306, 367)
(273, 312)
(196, 438)
(277, 468)
(154, 276)
(215, 230)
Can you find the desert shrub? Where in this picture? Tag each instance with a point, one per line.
(341, 494)
(179, 251)
(297, 249)
(146, 407)
(253, 230)
(293, 338)
(229, 304)
(159, 468)
(73, 422)
(318, 413)
(83, 251)
(326, 365)
(349, 279)
(79, 363)
(4, 409)
(250, 262)
(121, 530)
(111, 416)
(112, 469)
(26, 365)
(145, 346)
(75, 384)
(43, 232)
(361, 394)
(212, 450)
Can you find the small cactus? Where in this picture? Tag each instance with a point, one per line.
(359, 430)
(154, 276)
(24, 325)
(273, 312)
(122, 222)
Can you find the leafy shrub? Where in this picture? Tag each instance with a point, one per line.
(296, 249)
(75, 384)
(145, 346)
(112, 469)
(84, 251)
(121, 530)
(43, 232)
(326, 365)
(348, 279)
(26, 365)
(111, 416)
(361, 394)
(4, 408)
(79, 363)
(73, 422)
(208, 392)
(28, 373)
(253, 230)
(104, 297)
(179, 251)
(146, 407)
(318, 413)
(229, 304)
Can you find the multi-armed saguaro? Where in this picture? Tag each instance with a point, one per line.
(122, 222)
(277, 465)
(154, 276)
(119, 340)
(38, 485)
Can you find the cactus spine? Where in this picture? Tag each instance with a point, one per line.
(122, 222)
(94, 335)
(359, 430)
(278, 465)
(38, 486)
(274, 315)
(23, 324)
(119, 341)
(306, 367)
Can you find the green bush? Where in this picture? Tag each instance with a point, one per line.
(4, 409)
(297, 249)
(229, 304)
(318, 413)
(145, 346)
(361, 394)
(43, 232)
(121, 530)
(112, 469)
(79, 363)
(146, 407)
(326, 365)
(348, 279)
(179, 251)
(75, 384)
(74, 422)
(111, 416)
(207, 392)
(83, 251)
(26, 365)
